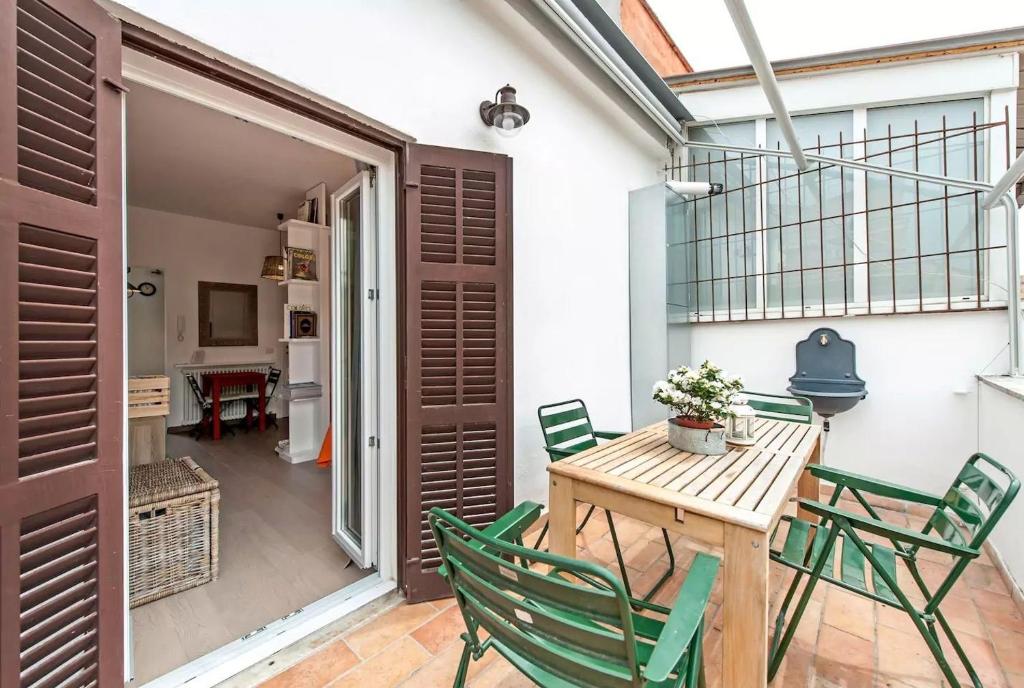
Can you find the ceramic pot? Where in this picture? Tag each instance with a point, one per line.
(696, 440)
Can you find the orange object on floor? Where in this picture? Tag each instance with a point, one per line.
(324, 459)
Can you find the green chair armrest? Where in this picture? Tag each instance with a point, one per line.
(606, 435)
(556, 454)
(886, 530)
(877, 487)
(684, 620)
(513, 524)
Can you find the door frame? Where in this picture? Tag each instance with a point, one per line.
(364, 553)
(169, 77)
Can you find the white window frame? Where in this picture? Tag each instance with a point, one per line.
(993, 107)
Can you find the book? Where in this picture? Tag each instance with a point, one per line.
(301, 263)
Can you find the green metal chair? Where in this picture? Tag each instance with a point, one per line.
(567, 431)
(958, 526)
(780, 406)
(563, 622)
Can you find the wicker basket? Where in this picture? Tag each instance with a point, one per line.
(173, 508)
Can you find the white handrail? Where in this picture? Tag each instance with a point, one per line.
(1005, 183)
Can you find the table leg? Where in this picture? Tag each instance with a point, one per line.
(263, 405)
(216, 410)
(561, 516)
(745, 598)
(807, 487)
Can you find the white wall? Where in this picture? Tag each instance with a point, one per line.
(919, 421)
(423, 67)
(192, 249)
(999, 423)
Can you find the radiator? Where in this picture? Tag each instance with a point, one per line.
(192, 413)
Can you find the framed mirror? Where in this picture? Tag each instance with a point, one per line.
(228, 314)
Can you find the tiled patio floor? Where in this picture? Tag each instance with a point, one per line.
(843, 641)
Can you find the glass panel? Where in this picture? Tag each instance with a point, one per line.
(712, 243)
(351, 413)
(926, 220)
(807, 222)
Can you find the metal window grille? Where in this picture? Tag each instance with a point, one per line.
(828, 241)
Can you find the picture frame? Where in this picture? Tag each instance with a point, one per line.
(316, 197)
(301, 264)
(303, 324)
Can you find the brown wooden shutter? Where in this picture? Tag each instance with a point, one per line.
(61, 376)
(458, 348)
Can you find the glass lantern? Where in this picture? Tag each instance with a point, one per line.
(740, 428)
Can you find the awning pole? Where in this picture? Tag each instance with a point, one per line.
(1005, 184)
(765, 75)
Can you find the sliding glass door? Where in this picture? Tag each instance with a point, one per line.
(354, 369)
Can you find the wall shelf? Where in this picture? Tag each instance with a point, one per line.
(297, 282)
(295, 340)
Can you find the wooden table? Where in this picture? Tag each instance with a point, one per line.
(732, 501)
(214, 383)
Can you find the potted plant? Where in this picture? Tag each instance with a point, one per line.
(701, 398)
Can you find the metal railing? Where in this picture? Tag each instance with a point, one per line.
(757, 271)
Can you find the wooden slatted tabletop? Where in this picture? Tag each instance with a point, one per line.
(747, 486)
(731, 501)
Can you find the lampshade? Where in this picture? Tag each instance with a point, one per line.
(273, 268)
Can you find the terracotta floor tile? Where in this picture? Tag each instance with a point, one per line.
(440, 670)
(389, 667)
(441, 631)
(1010, 651)
(998, 610)
(843, 659)
(1015, 680)
(318, 670)
(852, 613)
(904, 656)
(366, 640)
(982, 656)
(500, 674)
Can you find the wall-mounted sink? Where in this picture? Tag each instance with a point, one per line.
(826, 373)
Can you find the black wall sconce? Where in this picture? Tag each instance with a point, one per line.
(505, 115)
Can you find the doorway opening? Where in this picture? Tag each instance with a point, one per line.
(252, 330)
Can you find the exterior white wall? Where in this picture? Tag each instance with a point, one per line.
(423, 68)
(999, 420)
(918, 423)
(193, 249)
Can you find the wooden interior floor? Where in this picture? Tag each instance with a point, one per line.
(276, 553)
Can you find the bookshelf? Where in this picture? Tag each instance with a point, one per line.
(308, 358)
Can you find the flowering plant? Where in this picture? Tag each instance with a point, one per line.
(703, 395)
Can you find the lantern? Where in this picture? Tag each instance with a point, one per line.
(739, 429)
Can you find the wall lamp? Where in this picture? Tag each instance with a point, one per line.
(505, 115)
(694, 188)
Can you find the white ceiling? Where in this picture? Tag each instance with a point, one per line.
(188, 159)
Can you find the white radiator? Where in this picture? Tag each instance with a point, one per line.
(192, 412)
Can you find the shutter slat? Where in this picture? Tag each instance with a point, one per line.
(48, 34)
(31, 62)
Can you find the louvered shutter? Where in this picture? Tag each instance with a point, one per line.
(458, 348)
(61, 376)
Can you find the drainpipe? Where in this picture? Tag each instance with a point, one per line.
(580, 31)
(766, 76)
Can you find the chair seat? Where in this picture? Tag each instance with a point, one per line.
(851, 564)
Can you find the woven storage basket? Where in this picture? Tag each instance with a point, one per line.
(173, 508)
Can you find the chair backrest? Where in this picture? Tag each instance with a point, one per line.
(780, 406)
(566, 426)
(975, 502)
(273, 377)
(197, 391)
(563, 624)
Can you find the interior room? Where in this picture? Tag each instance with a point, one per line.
(229, 305)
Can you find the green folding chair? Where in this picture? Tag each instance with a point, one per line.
(563, 622)
(780, 406)
(567, 431)
(958, 526)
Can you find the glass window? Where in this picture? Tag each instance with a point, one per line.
(911, 226)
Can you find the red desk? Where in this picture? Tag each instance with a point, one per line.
(214, 383)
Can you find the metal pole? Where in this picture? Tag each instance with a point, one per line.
(765, 75)
(1005, 183)
(1013, 277)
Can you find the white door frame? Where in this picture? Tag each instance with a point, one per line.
(225, 662)
(363, 552)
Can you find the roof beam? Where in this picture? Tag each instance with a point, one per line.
(766, 76)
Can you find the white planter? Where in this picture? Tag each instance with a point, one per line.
(697, 440)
